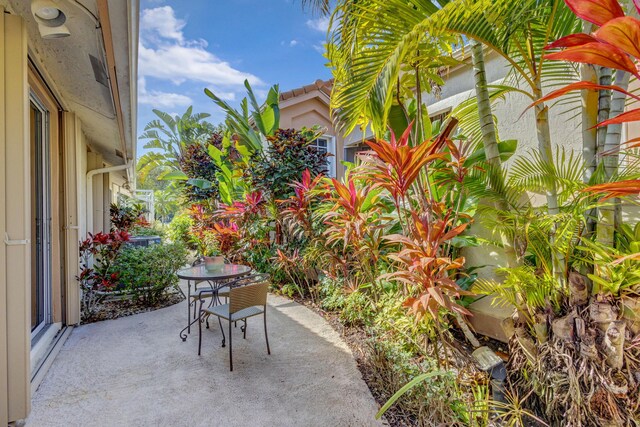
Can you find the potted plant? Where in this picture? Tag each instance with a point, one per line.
(213, 260)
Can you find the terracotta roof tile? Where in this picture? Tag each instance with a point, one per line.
(323, 86)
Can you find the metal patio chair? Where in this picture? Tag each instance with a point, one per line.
(247, 298)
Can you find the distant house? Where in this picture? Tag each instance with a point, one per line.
(68, 72)
(308, 106)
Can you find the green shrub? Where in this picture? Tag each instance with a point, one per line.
(149, 271)
(155, 230)
(178, 230)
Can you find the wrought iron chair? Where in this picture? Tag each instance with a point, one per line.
(247, 298)
(207, 292)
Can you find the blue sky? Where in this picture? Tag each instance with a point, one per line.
(187, 45)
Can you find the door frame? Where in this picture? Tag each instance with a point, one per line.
(42, 153)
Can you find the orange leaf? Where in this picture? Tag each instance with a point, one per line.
(571, 40)
(632, 143)
(596, 11)
(623, 33)
(629, 116)
(628, 187)
(581, 86)
(597, 53)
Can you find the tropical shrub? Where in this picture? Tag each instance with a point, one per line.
(179, 228)
(148, 272)
(197, 165)
(125, 216)
(98, 273)
(287, 155)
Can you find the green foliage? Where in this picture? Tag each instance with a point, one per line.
(179, 228)
(198, 166)
(167, 138)
(251, 126)
(149, 271)
(154, 230)
(288, 154)
(125, 216)
(524, 288)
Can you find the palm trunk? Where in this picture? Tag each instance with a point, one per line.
(489, 139)
(546, 154)
(484, 105)
(604, 104)
(607, 213)
(589, 115)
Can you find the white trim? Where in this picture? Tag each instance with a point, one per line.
(331, 148)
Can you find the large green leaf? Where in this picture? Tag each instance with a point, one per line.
(507, 148)
(174, 175)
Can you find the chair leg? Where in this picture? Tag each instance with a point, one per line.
(266, 337)
(199, 336)
(222, 330)
(244, 329)
(230, 349)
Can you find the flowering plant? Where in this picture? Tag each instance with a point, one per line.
(97, 258)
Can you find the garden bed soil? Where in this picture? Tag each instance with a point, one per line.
(114, 309)
(356, 338)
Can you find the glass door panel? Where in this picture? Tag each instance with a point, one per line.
(40, 220)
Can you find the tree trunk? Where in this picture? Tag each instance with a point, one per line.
(589, 115)
(489, 139)
(610, 160)
(546, 154)
(589, 136)
(614, 344)
(466, 331)
(485, 114)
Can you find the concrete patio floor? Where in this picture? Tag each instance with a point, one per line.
(135, 371)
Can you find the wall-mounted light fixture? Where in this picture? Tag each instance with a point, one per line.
(50, 19)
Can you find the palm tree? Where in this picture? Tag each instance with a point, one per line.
(373, 40)
(168, 137)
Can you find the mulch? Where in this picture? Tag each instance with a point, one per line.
(114, 309)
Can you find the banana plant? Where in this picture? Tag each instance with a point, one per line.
(251, 126)
(168, 137)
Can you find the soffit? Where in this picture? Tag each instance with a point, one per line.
(79, 81)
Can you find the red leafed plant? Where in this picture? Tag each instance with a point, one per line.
(98, 253)
(399, 164)
(297, 208)
(427, 271)
(616, 44)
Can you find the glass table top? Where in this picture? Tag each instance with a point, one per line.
(225, 271)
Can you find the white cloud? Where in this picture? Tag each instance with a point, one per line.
(165, 54)
(293, 43)
(162, 22)
(160, 99)
(319, 24)
(178, 63)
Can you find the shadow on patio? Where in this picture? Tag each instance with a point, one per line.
(136, 371)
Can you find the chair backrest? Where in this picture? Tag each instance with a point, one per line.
(249, 295)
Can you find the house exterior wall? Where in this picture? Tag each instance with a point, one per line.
(16, 256)
(515, 121)
(22, 71)
(308, 112)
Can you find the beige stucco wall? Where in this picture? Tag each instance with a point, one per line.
(309, 110)
(15, 370)
(514, 121)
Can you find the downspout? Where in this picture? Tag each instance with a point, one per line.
(89, 190)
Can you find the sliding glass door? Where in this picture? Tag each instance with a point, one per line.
(41, 219)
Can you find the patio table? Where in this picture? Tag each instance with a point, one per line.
(215, 279)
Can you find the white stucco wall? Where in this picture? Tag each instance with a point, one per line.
(514, 120)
